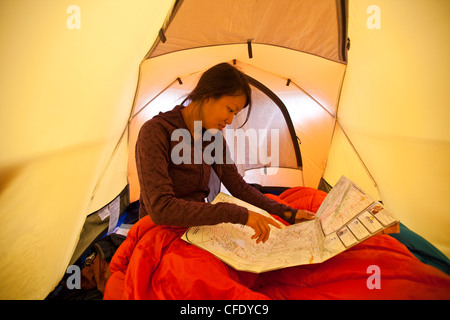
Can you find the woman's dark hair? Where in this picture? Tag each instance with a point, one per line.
(222, 80)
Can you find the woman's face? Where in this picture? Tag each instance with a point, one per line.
(217, 113)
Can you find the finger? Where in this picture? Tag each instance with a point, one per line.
(257, 233)
(310, 215)
(265, 231)
(266, 236)
(305, 214)
(274, 223)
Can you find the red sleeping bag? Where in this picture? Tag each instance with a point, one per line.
(154, 263)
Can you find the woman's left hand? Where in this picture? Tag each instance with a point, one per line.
(304, 214)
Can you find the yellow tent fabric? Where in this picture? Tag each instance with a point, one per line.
(66, 95)
(74, 74)
(394, 108)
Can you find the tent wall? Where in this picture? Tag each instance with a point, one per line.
(65, 97)
(394, 108)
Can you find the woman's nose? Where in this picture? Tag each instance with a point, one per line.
(229, 120)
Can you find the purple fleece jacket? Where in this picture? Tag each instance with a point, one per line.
(173, 194)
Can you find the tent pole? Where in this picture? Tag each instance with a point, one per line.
(312, 98)
(357, 154)
(152, 99)
(345, 134)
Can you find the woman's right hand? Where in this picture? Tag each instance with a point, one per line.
(260, 224)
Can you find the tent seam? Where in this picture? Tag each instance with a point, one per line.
(148, 57)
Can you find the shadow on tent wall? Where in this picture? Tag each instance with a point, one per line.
(95, 228)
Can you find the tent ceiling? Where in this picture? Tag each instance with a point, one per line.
(313, 26)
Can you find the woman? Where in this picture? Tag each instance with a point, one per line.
(173, 192)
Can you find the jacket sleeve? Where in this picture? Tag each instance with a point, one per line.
(156, 187)
(239, 188)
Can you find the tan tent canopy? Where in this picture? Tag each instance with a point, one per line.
(79, 80)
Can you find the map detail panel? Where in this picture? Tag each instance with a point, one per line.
(341, 205)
